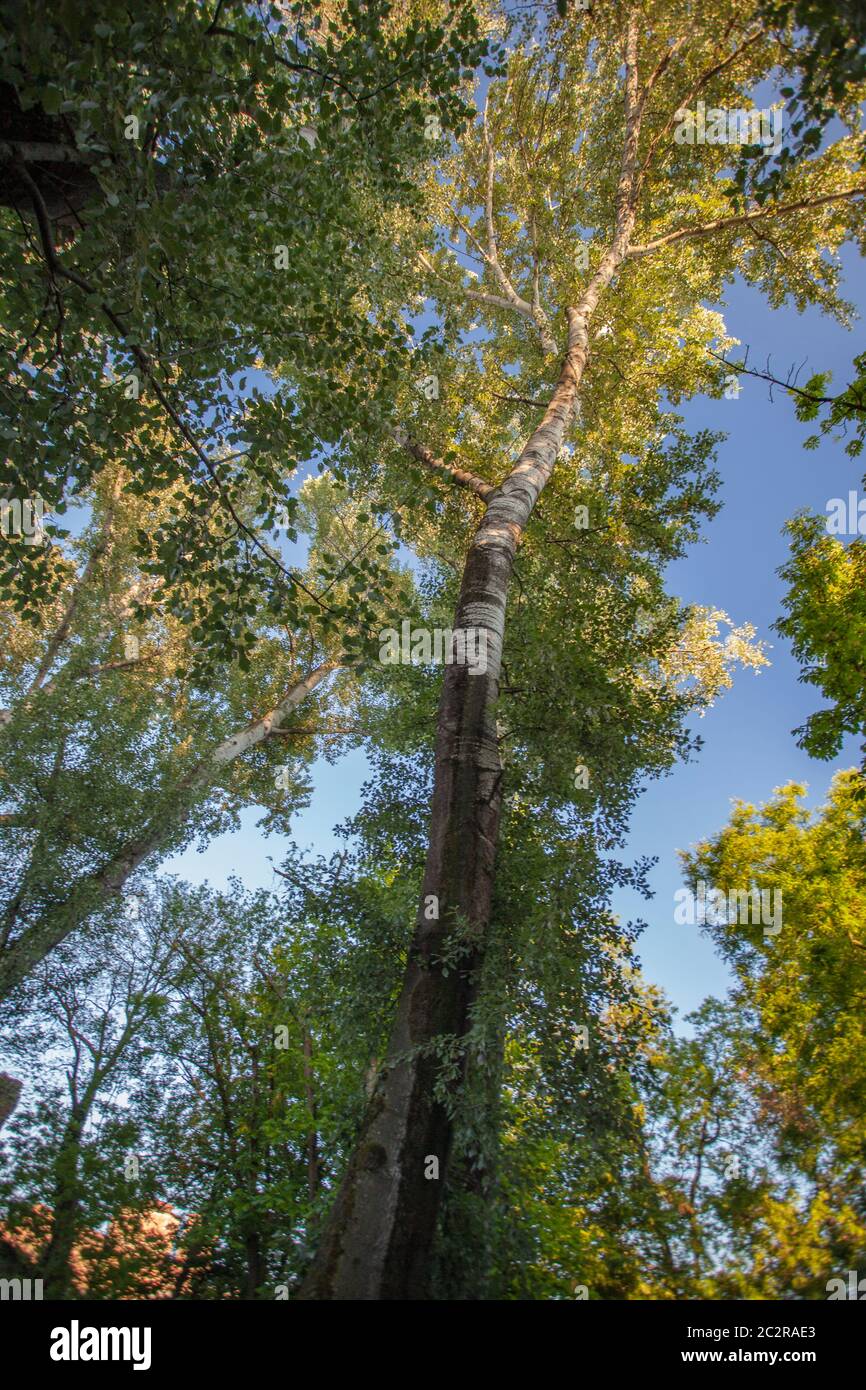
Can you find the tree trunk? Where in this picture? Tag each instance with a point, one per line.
(10, 1091)
(56, 1262)
(313, 1179)
(464, 1248)
(255, 1263)
(378, 1240)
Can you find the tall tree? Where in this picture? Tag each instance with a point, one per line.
(177, 351)
(591, 113)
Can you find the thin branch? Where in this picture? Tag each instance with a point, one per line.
(530, 311)
(844, 400)
(42, 152)
(509, 299)
(661, 67)
(307, 731)
(519, 400)
(62, 630)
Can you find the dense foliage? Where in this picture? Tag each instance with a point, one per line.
(294, 299)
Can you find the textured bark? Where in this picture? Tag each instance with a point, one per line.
(256, 1267)
(464, 1249)
(378, 1239)
(44, 146)
(450, 471)
(43, 143)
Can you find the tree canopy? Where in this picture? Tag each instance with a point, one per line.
(347, 351)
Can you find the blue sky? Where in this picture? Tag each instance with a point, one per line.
(748, 745)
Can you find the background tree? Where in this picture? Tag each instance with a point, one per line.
(72, 1150)
(788, 1042)
(823, 603)
(113, 753)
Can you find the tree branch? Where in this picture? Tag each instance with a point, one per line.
(61, 632)
(451, 471)
(844, 400)
(57, 268)
(723, 224)
(509, 298)
(533, 311)
(698, 86)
